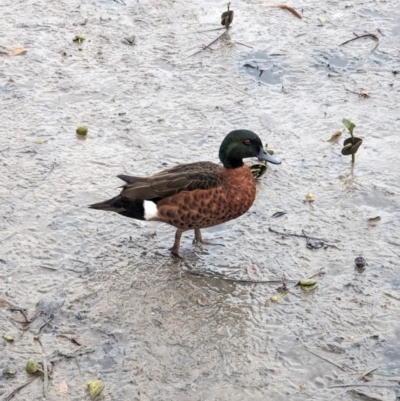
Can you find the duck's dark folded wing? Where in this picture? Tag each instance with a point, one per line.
(184, 177)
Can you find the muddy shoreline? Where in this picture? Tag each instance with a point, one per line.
(130, 314)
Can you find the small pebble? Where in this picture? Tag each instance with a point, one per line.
(360, 262)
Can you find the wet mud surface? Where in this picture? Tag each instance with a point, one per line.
(114, 305)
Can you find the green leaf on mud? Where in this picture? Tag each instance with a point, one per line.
(32, 366)
(309, 287)
(95, 388)
(349, 125)
(308, 284)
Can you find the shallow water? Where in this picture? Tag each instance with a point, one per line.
(153, 105)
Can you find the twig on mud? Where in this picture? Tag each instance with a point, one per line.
(391, 296)
(363, 385)
(326, 360)
(247, 94)
(366, 397)
(238, 280)
(243, 44)
(9, 397)
(48, 268)
(363, 377)
(210, 30)
(45, 324)
(45, 368)
(16, 309)
(8, 237)
(73, 355)
(295, 235)
(367, 35)
(40, 182)
(284, 7)
(320, 272)
(208, 46)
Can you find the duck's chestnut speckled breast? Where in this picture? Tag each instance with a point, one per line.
(209, 207)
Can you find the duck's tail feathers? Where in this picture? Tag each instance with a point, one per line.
(138, 209)
(110, 205)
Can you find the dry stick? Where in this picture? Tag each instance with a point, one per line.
(15, 309)
(363, 385)
(208, 46)
(20, 388)
(326, 360)
(363, 395)
(243, 44)
(284, 7)
(368, 373)
(296, 235)
(391, 296)
(45, 324)
(367, 35)
(210, 30)
(45, 371)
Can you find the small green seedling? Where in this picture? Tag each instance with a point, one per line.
(350, 145)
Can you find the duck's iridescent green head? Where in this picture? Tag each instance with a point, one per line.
(240, 144)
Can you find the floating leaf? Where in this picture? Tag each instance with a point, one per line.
(17, 51)
(278, 214)
(284, 7)
(349, 125)
(9, 338)
(204, 301)
(95, 388)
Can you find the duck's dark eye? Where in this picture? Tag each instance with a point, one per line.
(247, 142)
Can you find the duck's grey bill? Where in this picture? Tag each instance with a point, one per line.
(263, 155)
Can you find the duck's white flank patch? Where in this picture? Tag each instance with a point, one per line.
(150, 210)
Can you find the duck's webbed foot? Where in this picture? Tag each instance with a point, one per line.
(199, 241)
